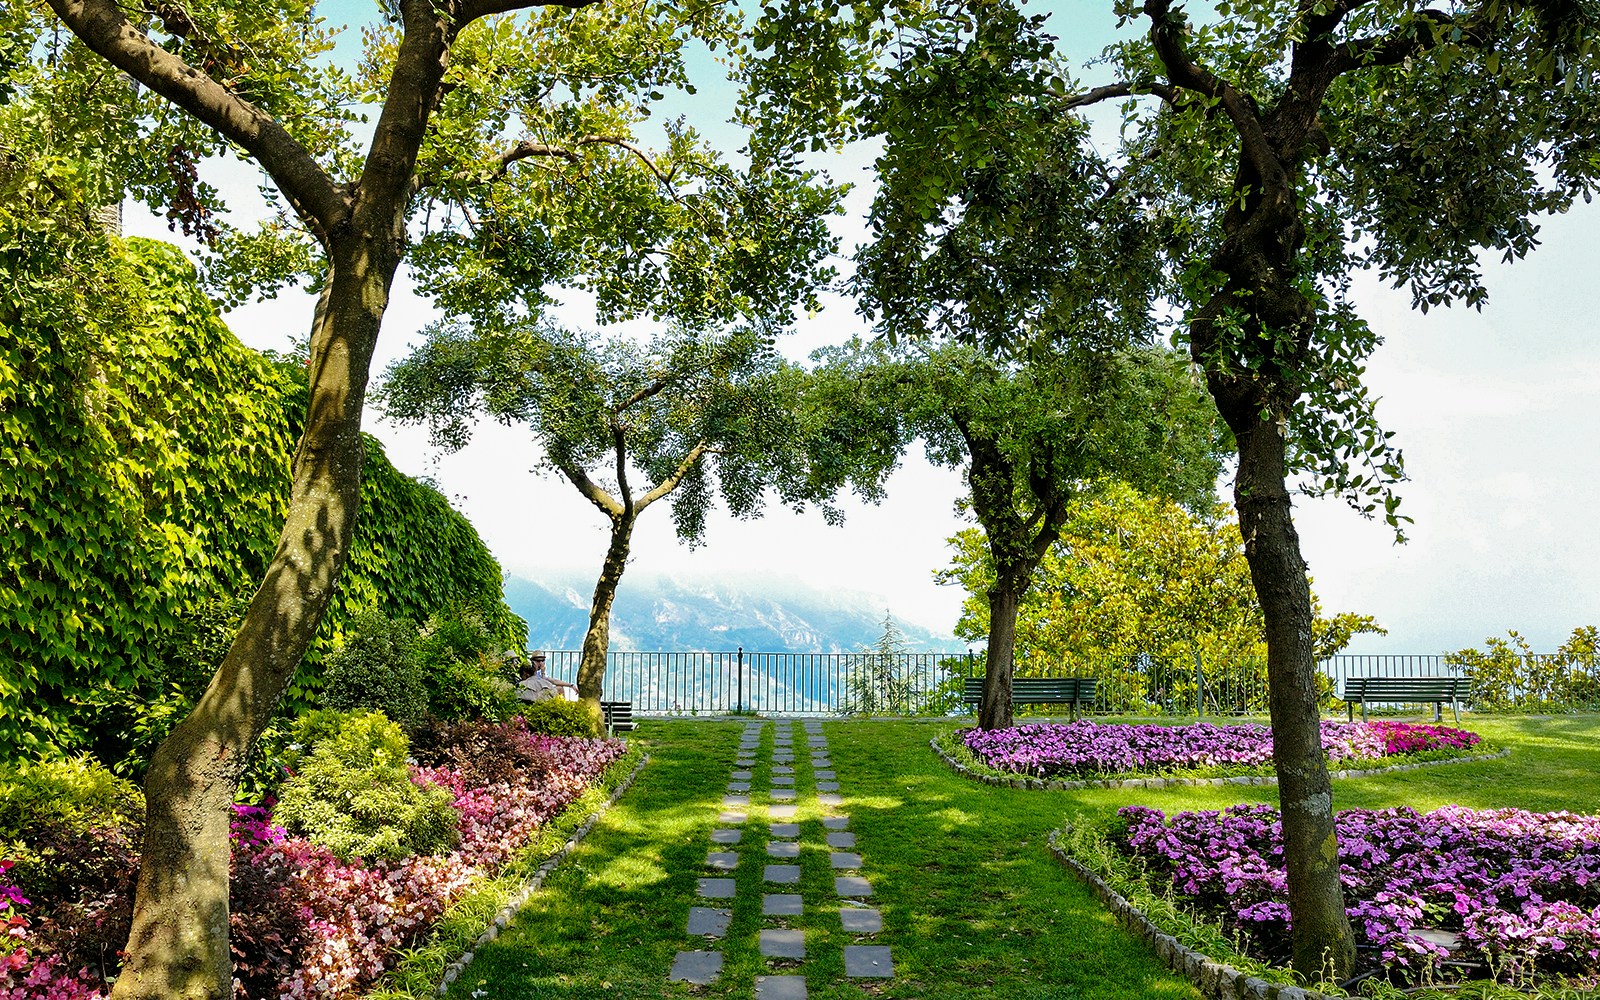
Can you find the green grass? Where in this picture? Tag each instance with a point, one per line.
(973, 902)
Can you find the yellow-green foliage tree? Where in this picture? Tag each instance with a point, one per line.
(1135, 589)
(147, 472)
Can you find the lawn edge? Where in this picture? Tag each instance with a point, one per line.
(1060, 785)
(514, 893)
(1211, 977)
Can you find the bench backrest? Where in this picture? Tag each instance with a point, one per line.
(617, 714)
(1038, 689)
(1403, 688)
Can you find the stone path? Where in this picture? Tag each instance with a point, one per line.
(780, 854)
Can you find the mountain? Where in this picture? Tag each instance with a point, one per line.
(668, 613)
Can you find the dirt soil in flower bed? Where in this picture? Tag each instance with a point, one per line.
(1087, 749)
(1438, 897)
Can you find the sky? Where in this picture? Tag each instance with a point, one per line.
(1495, 412)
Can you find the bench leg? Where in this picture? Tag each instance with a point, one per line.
(1454, 711)
(1363, 710)
(1438, 712)
(1350, 711)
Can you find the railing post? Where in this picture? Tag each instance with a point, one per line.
(739, 673)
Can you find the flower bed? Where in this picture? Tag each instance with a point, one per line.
(1090, 749)
(1451, 894)
(304, 923)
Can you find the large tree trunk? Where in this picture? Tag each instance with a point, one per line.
(178, 945)
(596, 641)
(1322, 940)
(1005, 597)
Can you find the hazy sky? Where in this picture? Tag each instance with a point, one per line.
(1496, 414)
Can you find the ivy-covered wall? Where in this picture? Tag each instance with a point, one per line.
(144, 458)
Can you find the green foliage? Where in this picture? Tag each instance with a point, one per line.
(559, 717)
(75, 793)
(1509, 676)
(1135, 588)
(353, 793)
(460, 664)
(149, 453)
(376, 668)
(877, 682)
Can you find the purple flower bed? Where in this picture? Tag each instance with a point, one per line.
(1502, 893)
(304, 923)
(1089, 749)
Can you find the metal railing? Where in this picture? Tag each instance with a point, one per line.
(694, 683)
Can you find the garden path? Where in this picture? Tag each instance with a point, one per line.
(783, 859)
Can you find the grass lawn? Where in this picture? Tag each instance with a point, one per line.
(972, 901)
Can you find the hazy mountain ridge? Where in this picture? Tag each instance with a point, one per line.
(663, 613)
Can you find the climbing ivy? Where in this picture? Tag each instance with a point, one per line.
(145, 457)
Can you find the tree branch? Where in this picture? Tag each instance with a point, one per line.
(619, 443)
(670, 483)
(595, 495)
(1393, 48)
(1114, 90)
(472, 10)
(102, 26)
(1184, 72)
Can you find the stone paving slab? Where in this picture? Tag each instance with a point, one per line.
(723, 860)
(868, 961)
(736, 800)
(784, 874)
(783, 849)
(781, 904)
(782, 812)
(717, 888)
(783, 758)
(835, 822)
(851, 885)
(779, 942)
(830, 798)
(738, 786)
(821, 776)
(783, 769)
(698, 967)
(821, 762)
(834, 839)
(780, 988)
(844, 859)
(783, 779)
(729, 836)
(856, 921)
(785, 829)
(730, 817)
(746, 775)
(705, 920)
(782, 794)
(827, 786)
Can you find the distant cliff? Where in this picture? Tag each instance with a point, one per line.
(664, 613)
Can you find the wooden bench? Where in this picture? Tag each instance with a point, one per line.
(1072, 691)
(1405, 690)
(618, 716)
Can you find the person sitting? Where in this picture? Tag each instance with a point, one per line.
(537, 687)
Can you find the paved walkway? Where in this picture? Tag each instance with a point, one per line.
(776, 846)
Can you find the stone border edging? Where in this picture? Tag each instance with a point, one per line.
(1212, 978)
(503, 919)
(1057, 785)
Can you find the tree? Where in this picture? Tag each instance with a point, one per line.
(1135, 582)
(697, 415)
(1291, 144)
(1309, 140)
(1030, 434)
(476, 159)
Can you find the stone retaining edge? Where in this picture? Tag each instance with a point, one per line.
(508, 912)
(1213, 979)
(1057, 785)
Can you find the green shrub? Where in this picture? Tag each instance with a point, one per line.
(353, 793)
(555, 717)
(465, 676)
(377, 668)
(76, 794)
